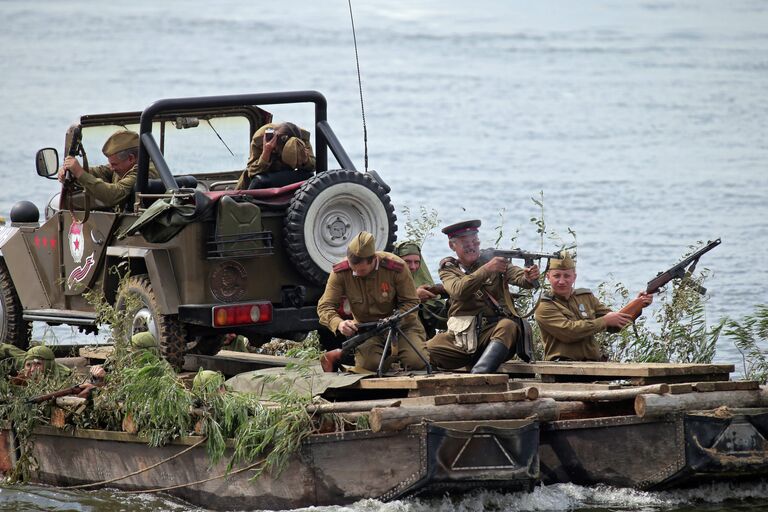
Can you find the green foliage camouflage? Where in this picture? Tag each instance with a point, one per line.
(747, 334)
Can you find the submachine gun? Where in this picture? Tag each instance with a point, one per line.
(367, 330)
(635, 307)
(528, 257)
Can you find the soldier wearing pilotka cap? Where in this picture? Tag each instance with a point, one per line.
(569, 318)
(376, 284)
(482, 323)
(111, 184)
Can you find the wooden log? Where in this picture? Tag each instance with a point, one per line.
(563, 386)
(58, 417)
(729, 385)
(659, 405)
(610, 395)
(356, 406)
(477, 398)
(680, 389)
(343, 422)
(129, 425)
(397, 418)
(64, 407)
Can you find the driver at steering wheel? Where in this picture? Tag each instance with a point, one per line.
(111, 184)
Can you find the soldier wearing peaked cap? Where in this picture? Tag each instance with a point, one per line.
(376, 284)
(281, 153)
(111, 184)
(569, 318)
(482, 323)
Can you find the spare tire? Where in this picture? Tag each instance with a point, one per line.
(327, 211)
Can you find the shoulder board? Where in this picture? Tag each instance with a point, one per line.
(341, 266)
(581, 291)
(391, 264)
(547, 296)
(450, 261)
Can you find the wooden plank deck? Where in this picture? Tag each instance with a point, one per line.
(436, 384)
(637, 373)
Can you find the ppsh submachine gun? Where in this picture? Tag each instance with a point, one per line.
(528, 257)
(678, 271)
(390, 325)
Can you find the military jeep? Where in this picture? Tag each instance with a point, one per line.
(199, 258)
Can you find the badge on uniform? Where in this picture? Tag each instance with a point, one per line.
(384, 289)
(583, 310)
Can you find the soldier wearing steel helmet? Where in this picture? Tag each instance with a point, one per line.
(482, 321)
(376, 284)
(40, 361)
(570, 317)
(111, 184)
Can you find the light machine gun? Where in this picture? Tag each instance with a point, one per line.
(391, 324)
(635, 307)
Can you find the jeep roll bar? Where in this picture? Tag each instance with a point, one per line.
(149, 149)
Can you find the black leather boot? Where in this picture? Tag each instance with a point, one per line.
(495, 354)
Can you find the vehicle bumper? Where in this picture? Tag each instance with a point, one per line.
(283, 319)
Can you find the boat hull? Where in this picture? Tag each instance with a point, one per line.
(671, 451)
(329, 469)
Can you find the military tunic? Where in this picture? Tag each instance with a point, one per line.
(389, 286)
(105, 185)
(568, 326)
(467, 289)
(258, 166)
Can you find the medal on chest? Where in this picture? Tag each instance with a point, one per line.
(384, 288)
(583, 310)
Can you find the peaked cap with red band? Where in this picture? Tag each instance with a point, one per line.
(468, 227)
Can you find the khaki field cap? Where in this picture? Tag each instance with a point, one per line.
(120, 141)
(294, 153)
(468, 227)
(566, 263)
(363, 245)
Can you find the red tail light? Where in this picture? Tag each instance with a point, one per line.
(242, 314)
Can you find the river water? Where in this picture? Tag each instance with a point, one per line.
(643, 124)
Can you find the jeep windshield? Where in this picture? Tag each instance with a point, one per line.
(191, 144)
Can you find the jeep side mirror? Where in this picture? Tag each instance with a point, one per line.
(47, 162)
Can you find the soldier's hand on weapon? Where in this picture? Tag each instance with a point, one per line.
(616, 319)
(531, 273)
(424, 294)
(647, 298)
(496, 264)
(97, 372)
(86, 388)
(348, 327)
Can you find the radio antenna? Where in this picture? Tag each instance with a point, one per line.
(360, 87)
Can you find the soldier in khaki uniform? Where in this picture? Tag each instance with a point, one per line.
(569, 318)
(482, 324)
(280, 154)
(376, 284)
(111, 184)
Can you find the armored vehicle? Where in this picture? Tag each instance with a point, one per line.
(198, 258)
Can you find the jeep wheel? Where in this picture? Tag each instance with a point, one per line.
(138, 298)
(13, 328)
(327, 211)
